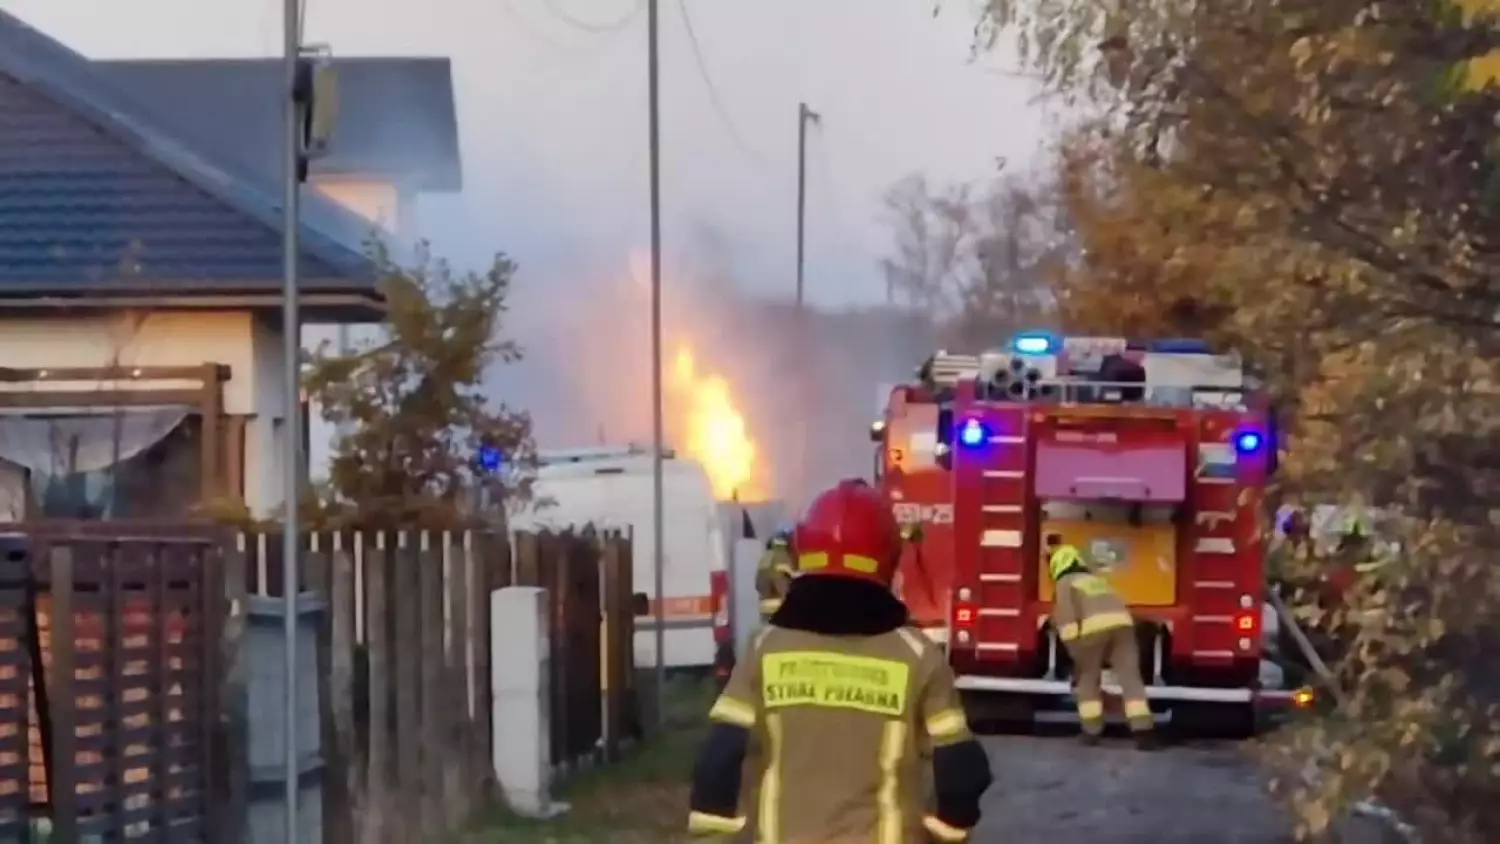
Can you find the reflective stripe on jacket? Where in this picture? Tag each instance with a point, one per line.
(845, 728)
(1087, 603)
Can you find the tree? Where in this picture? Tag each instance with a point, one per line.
(933, 230)
(976, 258)
(1314, 183)
(413, 404)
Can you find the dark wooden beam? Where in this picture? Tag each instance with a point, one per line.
(13, 375)
(210, 415)
(46, 399)
(234, 457)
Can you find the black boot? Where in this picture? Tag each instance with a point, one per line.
(1147, 741)
(1089, 739)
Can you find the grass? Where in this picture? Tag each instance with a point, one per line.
(643, 798)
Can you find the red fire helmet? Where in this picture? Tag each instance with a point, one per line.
(849, 531)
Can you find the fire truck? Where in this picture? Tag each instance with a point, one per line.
(1151, 458)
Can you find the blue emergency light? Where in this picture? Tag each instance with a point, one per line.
(1248, 442)
(490, 459)
(972, 433)
(1034, 343)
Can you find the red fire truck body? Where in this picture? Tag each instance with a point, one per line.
(1151, 459)
(921, 493)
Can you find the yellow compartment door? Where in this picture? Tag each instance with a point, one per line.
(1141, 561)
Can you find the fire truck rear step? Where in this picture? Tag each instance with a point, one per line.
(1113, 719)
(1062, 688)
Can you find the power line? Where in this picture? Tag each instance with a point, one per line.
(596, 27)
(714, 99)
(540, 33)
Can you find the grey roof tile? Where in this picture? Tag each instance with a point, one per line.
(96, 196)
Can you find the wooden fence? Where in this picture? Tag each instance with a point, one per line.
(589, 580)
(117, 675)
(109, 688)
(405, 662)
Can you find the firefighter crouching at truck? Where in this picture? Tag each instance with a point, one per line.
(774, 573)
(853, 716)
(1097, 629)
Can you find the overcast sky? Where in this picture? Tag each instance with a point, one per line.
(551, 99)
(552, 96)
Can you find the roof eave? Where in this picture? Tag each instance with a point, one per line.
(325, 301)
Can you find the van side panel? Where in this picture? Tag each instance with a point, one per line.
(619, 497)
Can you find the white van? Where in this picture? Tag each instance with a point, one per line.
(611, 488)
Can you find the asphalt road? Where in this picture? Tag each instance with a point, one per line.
(1055, 789)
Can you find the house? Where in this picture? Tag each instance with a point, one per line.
(396, 141)
(140, 278)
(397, 135)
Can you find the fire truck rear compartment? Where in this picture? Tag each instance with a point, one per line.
(1133, 545)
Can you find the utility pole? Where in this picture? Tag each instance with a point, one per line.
(292, 395)
(805, 116)
(658, 437)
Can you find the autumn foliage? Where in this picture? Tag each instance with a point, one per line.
(1315, 184)
(413, 407)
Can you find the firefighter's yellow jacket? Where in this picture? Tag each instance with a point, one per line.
(773, 576)
(1086, 603)
(849, 730)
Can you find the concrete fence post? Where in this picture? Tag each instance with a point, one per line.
(521, 650)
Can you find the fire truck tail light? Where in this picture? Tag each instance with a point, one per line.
(1245, 622)
(963, 617)
(719, 594)
(963, 637)
(1246, 602)
(965, 595)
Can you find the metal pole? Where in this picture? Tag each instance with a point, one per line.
(658, 437)
(803, 115)
(292, 396)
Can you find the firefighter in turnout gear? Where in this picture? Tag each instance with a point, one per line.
(773, 575)
(1097, 629)
(851, 715)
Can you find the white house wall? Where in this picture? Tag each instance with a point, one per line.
(151, 339)
(377, 200)
(321, 434)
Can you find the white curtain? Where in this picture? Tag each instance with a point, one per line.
(12, 492)
(73, 443)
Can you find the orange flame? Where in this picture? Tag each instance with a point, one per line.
(712, 430)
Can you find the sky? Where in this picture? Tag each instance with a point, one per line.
(551, 97)
(552, 108)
